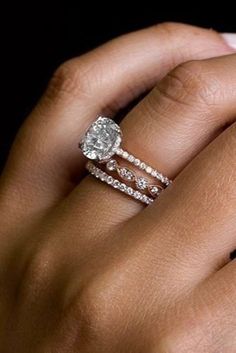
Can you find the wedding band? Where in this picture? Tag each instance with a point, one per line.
(102, 141)
(129, 175)
(116, 184)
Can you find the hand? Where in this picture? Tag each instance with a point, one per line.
(83, 267)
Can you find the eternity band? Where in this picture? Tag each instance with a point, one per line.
(116, 184)
(129, 175)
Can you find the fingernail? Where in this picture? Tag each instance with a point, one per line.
(230, 39)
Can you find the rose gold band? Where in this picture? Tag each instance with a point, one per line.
(116, 184)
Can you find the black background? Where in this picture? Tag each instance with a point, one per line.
(36, 38)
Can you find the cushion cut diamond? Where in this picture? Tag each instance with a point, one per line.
(101, 140)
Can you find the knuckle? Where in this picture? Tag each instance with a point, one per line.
(208, 43)
(69, 80)
(36, 276)
(168, 29)
(90, 315)
(189, 84)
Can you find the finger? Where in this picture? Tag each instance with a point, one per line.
(44, 159)
(206, 316)
(186, 110)
(216, 298)
(195, 221)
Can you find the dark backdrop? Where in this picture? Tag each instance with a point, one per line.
(36, 39)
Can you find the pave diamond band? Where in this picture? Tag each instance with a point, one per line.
(143, 166)
(116, 184)
(129, 175)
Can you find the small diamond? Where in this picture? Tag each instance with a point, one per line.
(137, 162)
(103, 176)
(141, 183)
(111, 165)
(89, 167)
(131, 158)
(129, 191)
(144, 198)
(109, 180)
(167, 181)
(148, 200)
(142, 165)
(154, 190)
(116, 184)
(137, 195)
(101, 140)
(126, 173)
(162, 178)
(119, 151)
(154, 173)
(125, 154)
(149, 170)
(100, 174)
(122, 187)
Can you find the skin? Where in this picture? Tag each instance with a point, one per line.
(84, 268)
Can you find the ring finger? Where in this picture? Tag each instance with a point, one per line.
(167, 129)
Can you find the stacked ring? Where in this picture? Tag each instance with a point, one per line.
(116, 184)
(129, 175)
(100, 143)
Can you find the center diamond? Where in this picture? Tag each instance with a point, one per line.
(101, 140)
